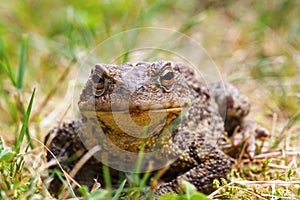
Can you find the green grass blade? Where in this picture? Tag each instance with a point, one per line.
(291, 122)
(25, 124)
(29, 139)
(22, 110)
(107, 180)
(191, 22)
(119, 190)
(5, 63)
(10, 106)
(22, 61)
(145, 179)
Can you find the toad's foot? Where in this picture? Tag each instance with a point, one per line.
(247, 135)
(233, 106)
(212, 164)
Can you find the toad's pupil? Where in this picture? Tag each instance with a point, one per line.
(97, 79)
(168, 76)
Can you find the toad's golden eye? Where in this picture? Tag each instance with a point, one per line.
(167, 78)
(98, 82)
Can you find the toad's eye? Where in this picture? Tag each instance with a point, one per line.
(98, 81)
(167, 78)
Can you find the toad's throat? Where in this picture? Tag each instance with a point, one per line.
(129, 129)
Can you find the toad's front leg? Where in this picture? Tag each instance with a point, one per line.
(212, 164)
(67, 148)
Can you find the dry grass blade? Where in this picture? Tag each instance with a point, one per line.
(84, 159)
(215, 193)
(52, 136)
(54, 89)
(274, 182)
(79, 165)
(68, 177)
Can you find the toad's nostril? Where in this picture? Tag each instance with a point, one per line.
(141, 88)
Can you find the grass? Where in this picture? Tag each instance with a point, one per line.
(254, 43)
(15, 181)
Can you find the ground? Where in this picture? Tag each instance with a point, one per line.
(255, 45)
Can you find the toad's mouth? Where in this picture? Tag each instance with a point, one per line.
(136, 110)
(133, 108)
(134, 114)
(136, 123)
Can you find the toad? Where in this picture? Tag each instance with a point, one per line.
(161, 109)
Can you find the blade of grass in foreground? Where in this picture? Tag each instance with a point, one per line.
(5, 63)
(107, 180)
(25, 124)
(119, 191)
(22, 61)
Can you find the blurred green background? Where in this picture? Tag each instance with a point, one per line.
(254, 43)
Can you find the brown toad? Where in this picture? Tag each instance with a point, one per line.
(160, 108)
